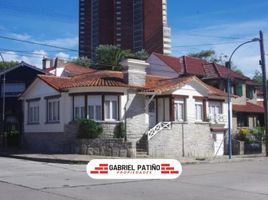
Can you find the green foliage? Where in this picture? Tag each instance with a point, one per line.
(251, 135)
(6, 65)
(83, 61)
(89, 129)
(110, 56)
(120, 131)
(257, 77)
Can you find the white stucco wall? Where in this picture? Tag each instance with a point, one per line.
(41, 90)
(158, 67)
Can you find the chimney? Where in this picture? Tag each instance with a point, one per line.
(134, 71)
(59, 62)
(47, 63)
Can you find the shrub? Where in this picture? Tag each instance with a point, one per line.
(120, 131)
(243, 134)
(89, 129)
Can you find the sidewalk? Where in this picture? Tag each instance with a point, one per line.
(84, 159)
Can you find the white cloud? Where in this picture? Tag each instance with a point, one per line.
(226, 37)
(62, 42)
(62, 55)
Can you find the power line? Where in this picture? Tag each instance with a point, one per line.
(205, 44)
(36, 43)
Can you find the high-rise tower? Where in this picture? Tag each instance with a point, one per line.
(129, 24)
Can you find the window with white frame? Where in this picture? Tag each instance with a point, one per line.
(33, 112)
(79, 107)
(215, 108)
(111, 108)
(179, 110)
(94, 107)
(53, 110)
(199, 110)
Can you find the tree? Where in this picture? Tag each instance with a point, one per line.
(210, 56)
(257, 77)
(109, 56)
(7, 64)
(83, 61)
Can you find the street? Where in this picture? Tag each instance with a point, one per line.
(25, 180)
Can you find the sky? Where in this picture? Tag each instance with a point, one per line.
(196, 25)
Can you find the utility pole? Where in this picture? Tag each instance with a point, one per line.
(264, 82)
(4, 96)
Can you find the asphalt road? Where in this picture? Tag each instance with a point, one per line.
(27, 180)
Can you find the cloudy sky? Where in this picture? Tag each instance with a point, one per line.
(196, 25)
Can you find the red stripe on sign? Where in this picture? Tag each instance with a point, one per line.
(174, 172)
(163, 168)
(164, 172)
(165, 165)
(104, 172)
(103, 165)
(94, 172)
(170, 168)
(106, 168)
(98, 168)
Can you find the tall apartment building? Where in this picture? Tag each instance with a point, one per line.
(129, 24)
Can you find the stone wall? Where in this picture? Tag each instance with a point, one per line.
(188, 140)
(61, 142)
(103, 147)
(135, 118)
(58, 142)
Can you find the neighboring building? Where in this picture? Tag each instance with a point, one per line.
(18, 78)
(129, 24)
(58, 67)
(246, 110)
(171, 112)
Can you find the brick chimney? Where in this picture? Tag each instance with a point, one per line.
(134, 71)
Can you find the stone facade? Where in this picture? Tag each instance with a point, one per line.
(57, 142)
(103, 147)
(183, 140)
(135, 120)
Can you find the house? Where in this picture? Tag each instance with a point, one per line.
(246, 110)
(58, 67)
(172, 113)
(17, 79)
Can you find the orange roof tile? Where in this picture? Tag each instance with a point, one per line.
(248, 108)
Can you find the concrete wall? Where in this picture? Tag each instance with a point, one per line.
(189, 140)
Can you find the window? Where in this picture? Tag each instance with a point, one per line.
(179, 110)
(111, 108)
(242, 120)
(250, 92)
(79, 107)
(199, 110)
(94, 108)
(53, 110)
(239, 90)
(33, 112)
(215, 108)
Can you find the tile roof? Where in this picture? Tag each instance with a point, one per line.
(73, 69)
(77, 69)
(175, 63)
(106, 78)
(166, 85)
(196, 66)
(248, 108)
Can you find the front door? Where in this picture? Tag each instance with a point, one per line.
(152, 114)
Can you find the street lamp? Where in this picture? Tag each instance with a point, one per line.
(228, 65)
